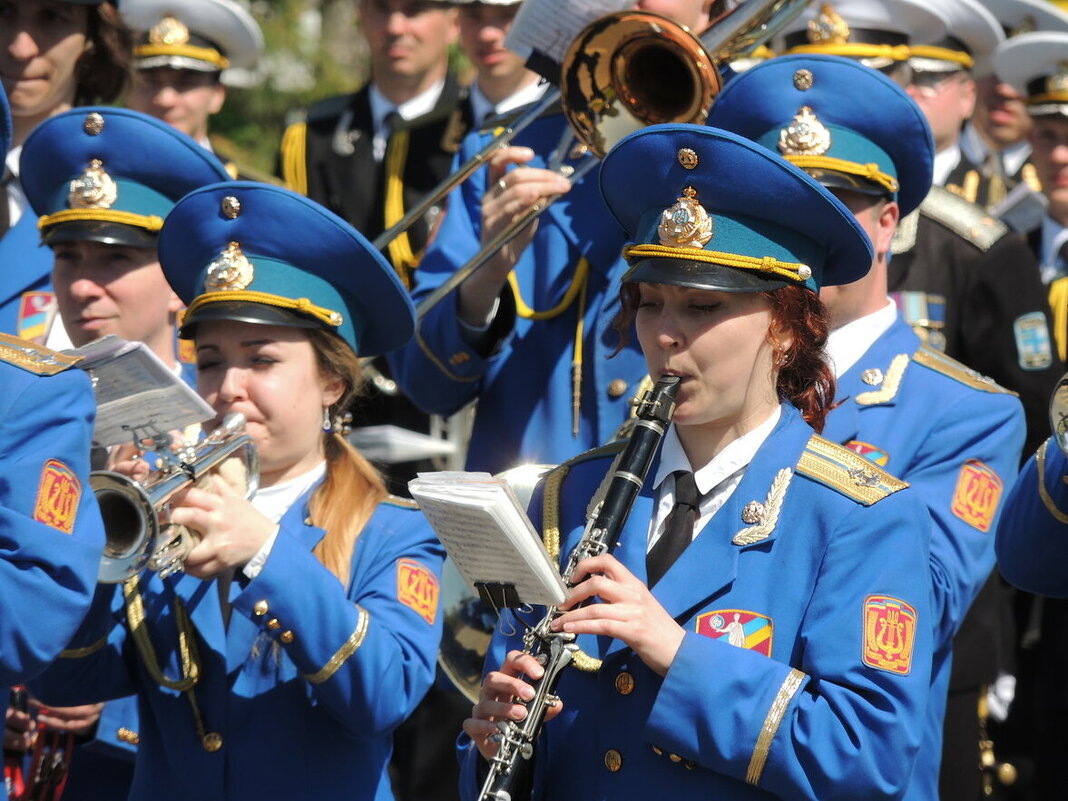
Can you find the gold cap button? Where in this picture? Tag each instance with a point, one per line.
(287, 636)
(624, 683)
(613, 760)
(273, 624)
(616, 388)
(127, 736)
(260, 608)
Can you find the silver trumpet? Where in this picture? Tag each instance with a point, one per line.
(137, 531)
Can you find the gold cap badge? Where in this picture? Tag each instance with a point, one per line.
(805, 135)
(229, 270)
(93, 124)
(828, 27)
(168, 31)
(687, 158)
(685, 223)
(93, 189)
(230, 207)
(1057, 83)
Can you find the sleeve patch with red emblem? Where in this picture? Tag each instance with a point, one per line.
(58, 494)
(978, 492)
(889, 634)
(417, 588)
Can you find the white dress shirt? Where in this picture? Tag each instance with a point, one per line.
(847, 344)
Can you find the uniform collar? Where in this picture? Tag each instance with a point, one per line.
(273, 502)
(482, 109)
(737, 455)
(846, 345)
(945, 161)
(1053, 236)
(417, 106)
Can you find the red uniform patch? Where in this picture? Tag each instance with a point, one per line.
(417, 588)
(978, 492)
(739, 627)
(889, 634)
(58, 494)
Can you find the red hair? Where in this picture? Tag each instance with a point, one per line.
(804, 378)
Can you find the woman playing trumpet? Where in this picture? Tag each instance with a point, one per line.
(763, 628)
(305, 627)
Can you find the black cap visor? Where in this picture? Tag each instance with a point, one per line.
(700, 275)
(106, 233)
(245, 312)
(833, 179)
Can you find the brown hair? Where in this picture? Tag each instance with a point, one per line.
(102, 72)
(353, 488)
(805, 379)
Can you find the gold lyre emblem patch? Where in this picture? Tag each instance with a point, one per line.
(805, 135)
(417, 588)
(978, 492)
(58, 494)
(889, 634)
(828, 27)
(229, 270)
(168, 31)
(93, 189)
(685, 223)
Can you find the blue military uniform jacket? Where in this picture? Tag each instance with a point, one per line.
(525, 385)
(1032, 535)
(818, 703)
(956, 438)
(27, 303)
(51, 536)
(302, 687)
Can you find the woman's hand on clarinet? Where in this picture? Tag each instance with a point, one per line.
(231, 529)
(628, 612)
(496, 700)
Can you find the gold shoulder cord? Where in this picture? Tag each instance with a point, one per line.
(187, 648)
(1058, 301)
(294, 157)
(551, 535)
(577, 288)
(400, 247)
(1043, 492)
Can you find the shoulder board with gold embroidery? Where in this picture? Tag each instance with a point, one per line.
(848, 472)
(398, 501)
(969, 221)
(905, 236)
(34, 358)
(947, 366)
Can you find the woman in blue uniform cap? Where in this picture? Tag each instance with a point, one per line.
(305, 626)
(763, 630)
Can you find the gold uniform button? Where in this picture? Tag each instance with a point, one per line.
(212, 741)
(273, 624)
(613, 760)
(128, 736)
(658, 751)
(260, 608)
(690, 764)
(624, 683)
(616, 388)
(674, 757)
(287, 636)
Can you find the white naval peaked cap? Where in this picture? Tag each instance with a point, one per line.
(1036, 65)
(203, 35)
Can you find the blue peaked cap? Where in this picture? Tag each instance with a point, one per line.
(709, 209)
(848, 125)
(258, 253)
(110, 174)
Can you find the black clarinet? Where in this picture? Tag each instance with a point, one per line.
(555, 650)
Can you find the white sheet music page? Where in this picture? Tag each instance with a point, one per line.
(487, 534)
(550, 26)
(136, 392)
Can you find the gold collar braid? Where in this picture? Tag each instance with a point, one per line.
(208, 54)
(302, 305)
(870, 171)
(767, 264)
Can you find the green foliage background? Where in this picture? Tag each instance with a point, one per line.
(313, 50)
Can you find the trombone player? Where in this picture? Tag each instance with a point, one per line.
(529, 335)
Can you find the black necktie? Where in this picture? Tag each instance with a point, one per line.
(678, 528)
(5, 212)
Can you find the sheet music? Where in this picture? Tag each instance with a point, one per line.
(487, 534)
(136, 391)
(550, 26)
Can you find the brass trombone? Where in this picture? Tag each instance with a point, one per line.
(623, 72)
(137, 532)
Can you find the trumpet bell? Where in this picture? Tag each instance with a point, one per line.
(632, 69)
(129, 520)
